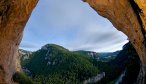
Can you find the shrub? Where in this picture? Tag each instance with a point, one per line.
(21, 78)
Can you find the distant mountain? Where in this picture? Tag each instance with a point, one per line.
(104, 56)
(24, 56)
(53, 64)
(90, 54)
(126, 61)
(108, 56)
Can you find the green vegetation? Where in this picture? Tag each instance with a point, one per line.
(54, 64)
(132, 66)
(21, 78)
(127, 60)
(24, 56)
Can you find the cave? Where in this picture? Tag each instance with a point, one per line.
(14, 15)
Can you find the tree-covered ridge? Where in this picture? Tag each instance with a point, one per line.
(54, 46)
(53, 64)
(127, 60)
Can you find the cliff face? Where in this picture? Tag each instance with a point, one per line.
(13, 17)
(123, 17)
(15, 13)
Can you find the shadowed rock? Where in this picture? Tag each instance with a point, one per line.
(15, 13)
(124, 18)
(13, 17)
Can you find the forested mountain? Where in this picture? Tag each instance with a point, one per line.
(127, 60)
(53, 64)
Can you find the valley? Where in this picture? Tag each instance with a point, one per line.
(54, 64)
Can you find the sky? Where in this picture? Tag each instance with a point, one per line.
(72, 24)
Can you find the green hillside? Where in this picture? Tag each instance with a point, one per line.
(126, 60)
(53, 64)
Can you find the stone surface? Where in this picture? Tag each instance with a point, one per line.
(13, 17)
(124, 18)
(15, 13)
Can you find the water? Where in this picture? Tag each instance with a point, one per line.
(120, 77)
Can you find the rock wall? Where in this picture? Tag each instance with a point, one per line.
(124, 18)
(95, 79)
(15, 13)
(13, 17)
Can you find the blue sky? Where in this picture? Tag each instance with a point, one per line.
(72, 24)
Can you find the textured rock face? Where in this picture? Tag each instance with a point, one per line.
(123, 17)
(15, 13)
(13, 17)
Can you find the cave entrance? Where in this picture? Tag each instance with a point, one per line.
(76, 26)
(11, 38)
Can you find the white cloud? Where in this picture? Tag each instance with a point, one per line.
(28, 46)
(72, 24)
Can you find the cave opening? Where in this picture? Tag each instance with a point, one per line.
(76, 28)
(84, 34)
